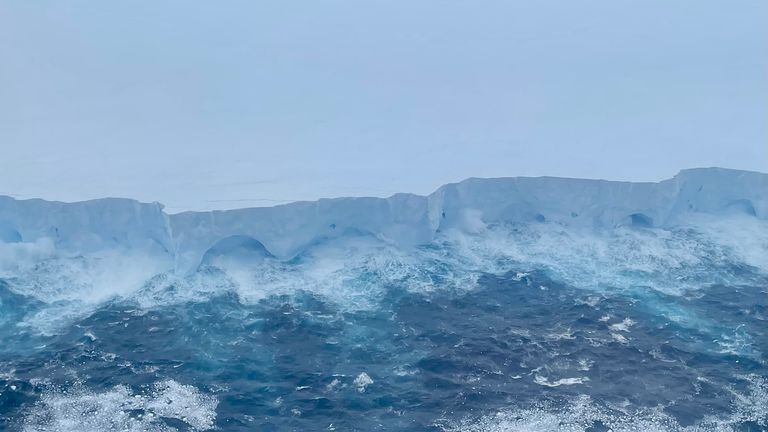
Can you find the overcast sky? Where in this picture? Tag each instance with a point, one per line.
(221, 104)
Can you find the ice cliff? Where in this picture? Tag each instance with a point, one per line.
(404, 220)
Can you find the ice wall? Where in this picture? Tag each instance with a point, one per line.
(403, 219)
(87, 226)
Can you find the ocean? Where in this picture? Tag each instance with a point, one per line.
(519, 328)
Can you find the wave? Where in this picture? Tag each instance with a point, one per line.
(749, 411)
(356, 271)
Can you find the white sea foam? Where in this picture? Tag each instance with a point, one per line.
(744, 238)
(354, 272)
(16, 258)
(670, 261)
(582, 413)
(120, 409)
(362, 381)
(73, 287)
(543, 381)
(620, 338)
(622, 326)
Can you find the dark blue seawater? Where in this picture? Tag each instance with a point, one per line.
(520, 351)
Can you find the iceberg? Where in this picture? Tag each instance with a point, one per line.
(576, 280)
(568, 294)
(404, 220)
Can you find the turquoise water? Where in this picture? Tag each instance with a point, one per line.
(518, 346)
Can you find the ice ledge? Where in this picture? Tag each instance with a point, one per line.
(403, 219)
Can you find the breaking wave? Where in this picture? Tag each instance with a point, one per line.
(158, 408)
(490, 327)
(748, 412)
(356, 271)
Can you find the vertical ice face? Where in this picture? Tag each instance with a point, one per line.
(403, 219)
(547, 199)
(605, 204)
(286, 230)
(718, 190)
(87, 226)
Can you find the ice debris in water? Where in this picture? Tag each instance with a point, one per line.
(120, 409)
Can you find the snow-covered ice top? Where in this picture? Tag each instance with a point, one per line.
(402, 219)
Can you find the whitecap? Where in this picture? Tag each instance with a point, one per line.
(581, 414)
(362, 381)
(622, 326)
(82, 410)
(543, 381)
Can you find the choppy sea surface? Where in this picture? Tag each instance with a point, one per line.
(512, 328)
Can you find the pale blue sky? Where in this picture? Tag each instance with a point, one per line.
(220, 104)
